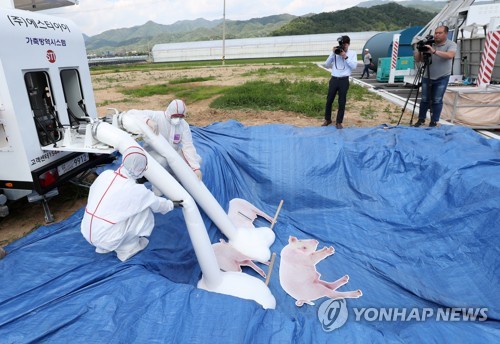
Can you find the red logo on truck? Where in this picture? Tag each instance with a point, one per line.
(51, 56)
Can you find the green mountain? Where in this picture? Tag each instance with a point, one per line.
(424, 5)
(143, 37)
(388, 17)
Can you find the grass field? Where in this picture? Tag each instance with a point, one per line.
(288, 84)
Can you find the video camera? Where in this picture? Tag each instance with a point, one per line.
(340, 48)
(428, 40)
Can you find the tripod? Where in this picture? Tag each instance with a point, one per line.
(417, 82)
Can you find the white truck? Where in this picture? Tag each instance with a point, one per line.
(45, 92)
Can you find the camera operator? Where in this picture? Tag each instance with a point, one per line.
(435, 79)
(342, 61)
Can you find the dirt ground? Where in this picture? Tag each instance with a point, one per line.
(25, 217)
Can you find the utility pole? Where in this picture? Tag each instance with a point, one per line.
(224, 34)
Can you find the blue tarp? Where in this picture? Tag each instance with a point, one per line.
(412, 213)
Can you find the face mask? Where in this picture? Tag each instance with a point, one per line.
(135, 176)
(175, 121)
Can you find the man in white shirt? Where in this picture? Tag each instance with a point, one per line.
(342, 61)
(367, 61)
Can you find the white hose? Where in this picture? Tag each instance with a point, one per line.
(167, 184)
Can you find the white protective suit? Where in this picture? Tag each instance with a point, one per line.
(119, 212)
(172, 126)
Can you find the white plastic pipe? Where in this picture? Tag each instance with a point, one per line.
(167, 184)
(229, 283)
(253, 243)
(184, 173)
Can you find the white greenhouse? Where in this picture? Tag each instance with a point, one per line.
(262, 47)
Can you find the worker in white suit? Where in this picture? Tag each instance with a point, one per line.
(119, 212)
(174, 128)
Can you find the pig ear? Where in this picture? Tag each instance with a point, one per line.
(292, 239)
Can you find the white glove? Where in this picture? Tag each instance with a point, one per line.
(153, 125)
(198, 174)
(166, 205)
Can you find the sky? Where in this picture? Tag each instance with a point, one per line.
(96, 16)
